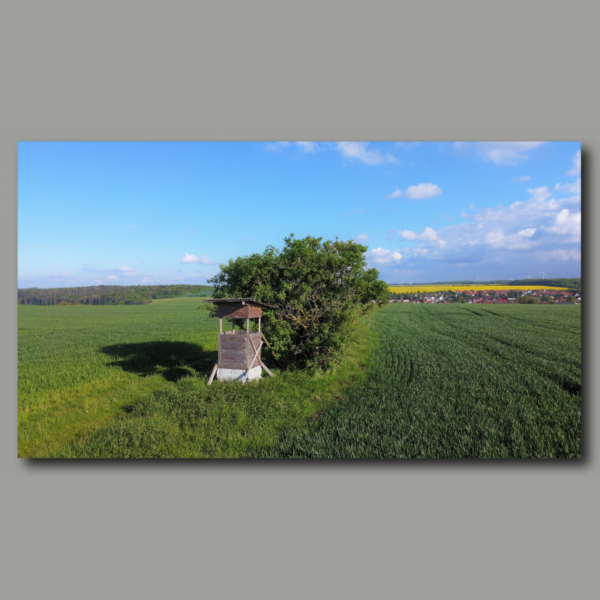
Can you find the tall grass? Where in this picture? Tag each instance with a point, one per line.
(132, 381)
(416, 380)
(82, 366)
(454, 382)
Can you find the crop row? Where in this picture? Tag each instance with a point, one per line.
(454, 382)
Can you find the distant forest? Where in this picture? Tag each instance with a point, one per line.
(109, 294)
(573, 284)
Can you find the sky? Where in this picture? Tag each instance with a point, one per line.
(130, 213)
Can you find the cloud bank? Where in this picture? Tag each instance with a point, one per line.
(539, 232)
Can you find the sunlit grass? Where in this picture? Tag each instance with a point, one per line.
(132, 381)
(452, 381)
(80, 367)
(414, 381)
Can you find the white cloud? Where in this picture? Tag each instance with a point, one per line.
(125, 269)
(355, 150)
(307, 146)
(566, 223)
(146, 280)
(515, 241)
(428, 234)
(568, 188)
(576, 169)
(192, 232)
(379, 256)
(132, 226)
(358, 151)
(407, 234)
(395, 194)
(276, 146)
(500, 153)
(539, 194)
(112, 277)
(504, 157)
(419, 252)
(362, 237)
(527, 232)
(280, 146)
(493, 236)
(525, 178)
(509, 153)
(190, 258)
(423, 191)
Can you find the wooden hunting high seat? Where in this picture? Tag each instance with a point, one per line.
(239, 355)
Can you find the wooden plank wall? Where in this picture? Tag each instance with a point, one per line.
(235, 350)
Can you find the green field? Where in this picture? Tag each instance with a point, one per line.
(416, 381)
(85, 369)
(453, 382)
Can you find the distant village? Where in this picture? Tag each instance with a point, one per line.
(489, 297)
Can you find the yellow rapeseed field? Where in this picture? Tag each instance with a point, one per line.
(402, 289)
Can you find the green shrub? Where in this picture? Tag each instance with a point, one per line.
(318, 290)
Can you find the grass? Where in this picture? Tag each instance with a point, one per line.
(459, 382)
(92, 380)
(80, 367)
(416, 380)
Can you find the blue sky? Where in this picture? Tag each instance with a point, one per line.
(171, 212)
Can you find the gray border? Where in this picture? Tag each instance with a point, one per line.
(522, 71)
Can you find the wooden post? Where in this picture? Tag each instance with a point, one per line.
(259, 324)
(271, 349)
(213, 374)
(252, 344)
(232, 326)
(220, 325)
(245, 378)
(247, 326)
(262, 364)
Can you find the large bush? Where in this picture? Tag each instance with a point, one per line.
(318, 289)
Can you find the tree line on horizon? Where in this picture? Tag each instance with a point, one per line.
(109, 294)
(573, 284)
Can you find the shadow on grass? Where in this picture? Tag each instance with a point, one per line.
(172, 360)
